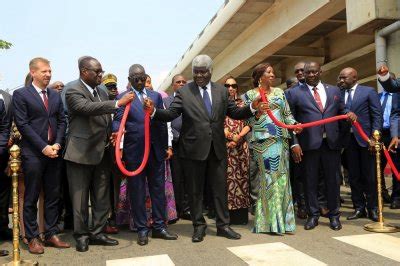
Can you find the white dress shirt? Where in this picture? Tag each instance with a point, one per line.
(352, 91)
(321, 91)
(208, 90)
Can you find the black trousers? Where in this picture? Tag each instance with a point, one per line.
(93, 180)
(41, 172)
(396, 160)
(5, 189)
(361, 166)
(214, 171)
(178, 180)
(326, 160)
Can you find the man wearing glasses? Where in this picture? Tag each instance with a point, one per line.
(133, 155)
(87, 152)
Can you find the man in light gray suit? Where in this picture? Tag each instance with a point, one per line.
(87, 152)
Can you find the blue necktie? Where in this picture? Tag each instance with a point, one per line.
(349, 100)
(141, 96)
(385, 99)
(207, 101)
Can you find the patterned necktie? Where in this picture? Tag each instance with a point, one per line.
(318, 99)
(207, 101)
(349, 99)
(46, 105)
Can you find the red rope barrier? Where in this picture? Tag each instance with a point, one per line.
(146, 143)
(357, 125)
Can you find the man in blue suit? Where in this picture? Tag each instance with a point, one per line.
(364, 102)
(39, 116)
(133, 155)
(390, 137)
(388, 83)
(320, 145)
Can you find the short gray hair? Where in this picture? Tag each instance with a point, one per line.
(202, 61)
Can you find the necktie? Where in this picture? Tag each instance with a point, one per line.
(385, 99)
(207, 101)
(96, 95)
(349, 100)
(141, 98)
(46, 105)
(318, 99)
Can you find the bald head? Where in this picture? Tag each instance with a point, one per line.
(347, 78)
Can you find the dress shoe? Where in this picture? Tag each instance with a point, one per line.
(395, 204)
(228, 233)
(324, 212)
(385, 196)
(334, 223)
(56, 242)
(199, 234)
(211, 214)
(6, 234)
(82, 244)
(112, 230)
(185, 215)
(341, 200)
(103, 240)
(35, 246)
(142, 239)
(4, 253)
(301, 213)
(357, 214)
(373, 215)
(311, 223)
(164, 234)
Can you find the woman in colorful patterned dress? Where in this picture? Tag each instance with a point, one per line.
(274, 206)
(238, 161)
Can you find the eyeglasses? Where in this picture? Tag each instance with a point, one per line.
(98, 72)
(234, 86)
(299, 70)
(137, 79)
(180, 82)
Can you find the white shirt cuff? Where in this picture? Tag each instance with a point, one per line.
(252, 109)
(294, 145)
(384, 78)
(116, 104)
(154, 112)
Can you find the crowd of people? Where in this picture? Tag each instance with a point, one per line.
(213, 149)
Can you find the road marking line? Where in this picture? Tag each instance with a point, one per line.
(157, 260)
(273, 254)
(381, 244)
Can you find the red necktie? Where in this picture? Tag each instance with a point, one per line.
(318, 99)
(46, 105)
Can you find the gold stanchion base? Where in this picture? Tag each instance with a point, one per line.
(22, 262)
(381, 228)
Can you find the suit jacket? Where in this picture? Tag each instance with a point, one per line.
(5, 121)
(176, 124)
(89, 125)
(305, 109)
(366, 105)
(199, 130)
(134, 127)
(394, 114)
(32, 119)
(391, 85)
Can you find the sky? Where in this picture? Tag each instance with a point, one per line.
(119, 33)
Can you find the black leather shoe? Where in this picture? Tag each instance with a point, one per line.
(4, 253)
(357, 214)
(373, 215)
(185, 215)
(164, 234)
(334, 223)
(311, 223)
(82, 245)
(395, 204)
(142, 239)
(199, 234)
(228, 233)
(103, 240)
(385, 196)
(211, 214)
(301, 213)
(6, 234)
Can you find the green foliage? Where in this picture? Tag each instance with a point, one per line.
(5, 45)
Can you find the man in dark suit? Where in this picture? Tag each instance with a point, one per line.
(390, 137)
(364, 102)
(133, 156)
(202, 145)
(39, 117)
(5, 181)
(320, 145)
(178, 81)
(388, 83)
(87, 152)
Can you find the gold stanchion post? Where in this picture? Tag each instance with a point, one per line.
(380, 226)
(15, 167)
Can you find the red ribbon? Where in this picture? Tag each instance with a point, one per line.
(325, 121)
(146, 143)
